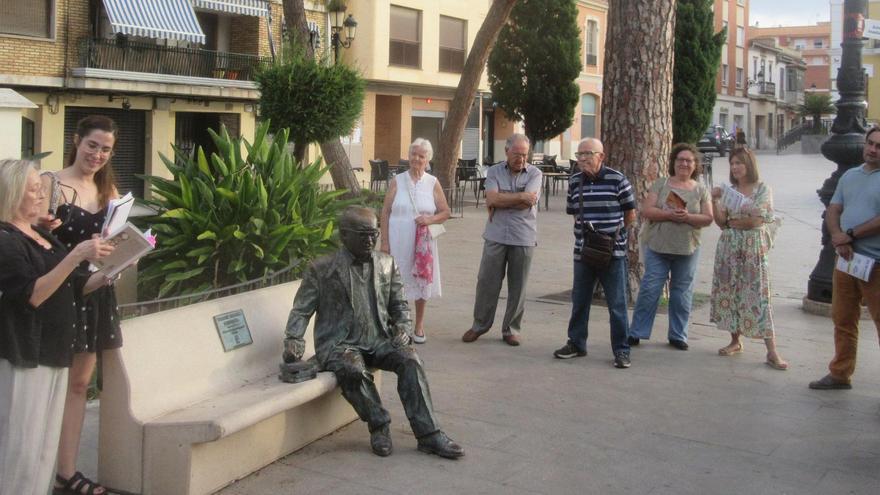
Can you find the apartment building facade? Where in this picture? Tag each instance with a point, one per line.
(775, 92)
(813, 43)
(732, 102)
(165, 70)
(411, 54)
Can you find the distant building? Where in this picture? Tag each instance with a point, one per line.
(813, 43)
(775, 92)
(732, 103)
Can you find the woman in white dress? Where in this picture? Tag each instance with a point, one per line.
(413, 201)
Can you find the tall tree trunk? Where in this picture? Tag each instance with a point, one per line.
(637, 98)
(450, 139)
(334, 154)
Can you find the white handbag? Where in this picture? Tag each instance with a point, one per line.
(436, 230)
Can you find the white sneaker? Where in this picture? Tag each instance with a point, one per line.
(419, 339)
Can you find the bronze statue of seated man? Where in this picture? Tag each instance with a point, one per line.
(363, 322)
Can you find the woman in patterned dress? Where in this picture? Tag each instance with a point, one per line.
(741, 281)
(86, 188)
(402, 225)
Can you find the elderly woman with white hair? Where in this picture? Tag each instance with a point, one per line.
(39, 279)
(415, 200)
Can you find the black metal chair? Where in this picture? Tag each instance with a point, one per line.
(466, 171)
(379, 174)
(402, 166)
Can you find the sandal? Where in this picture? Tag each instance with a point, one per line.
(777, 364)
(77, 484)
(730, 350)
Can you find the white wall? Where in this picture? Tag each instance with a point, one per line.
(10, 138)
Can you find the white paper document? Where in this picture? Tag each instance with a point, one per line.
(859, 266)
(732, 199)
(129, 245)
(117, 215)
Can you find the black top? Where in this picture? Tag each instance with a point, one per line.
(99, 316)
(35, 336)
(79, 225)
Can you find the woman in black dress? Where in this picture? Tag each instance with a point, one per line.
(84, 188)
(40, 283)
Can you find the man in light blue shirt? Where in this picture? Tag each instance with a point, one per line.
(512, 191)
(853, 220)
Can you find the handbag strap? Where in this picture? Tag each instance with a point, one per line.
(412, 194)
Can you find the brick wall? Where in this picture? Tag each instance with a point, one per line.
(245, 34)
(250, 35)
(320, 18)
(45, 57)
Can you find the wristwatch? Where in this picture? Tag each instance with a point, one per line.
(851, 234)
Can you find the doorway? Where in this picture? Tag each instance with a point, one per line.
(427, 127)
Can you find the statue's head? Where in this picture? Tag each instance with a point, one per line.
(358, 229)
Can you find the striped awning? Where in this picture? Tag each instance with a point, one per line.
(161, 19)
(257, 8)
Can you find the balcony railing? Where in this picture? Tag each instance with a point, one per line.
(132, 56)
(767, 88)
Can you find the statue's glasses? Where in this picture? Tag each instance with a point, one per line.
(371, 234)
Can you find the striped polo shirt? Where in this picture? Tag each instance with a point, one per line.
(606, 197)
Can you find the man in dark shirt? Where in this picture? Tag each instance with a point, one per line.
(363, 322)
(603, 198)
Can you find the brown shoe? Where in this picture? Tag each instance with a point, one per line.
(510, 339)
(470, 336)
(828, 382)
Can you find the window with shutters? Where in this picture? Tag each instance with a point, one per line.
(588, 116)
(405, 37)
(27, 17)
(453, 36)
(592, 40)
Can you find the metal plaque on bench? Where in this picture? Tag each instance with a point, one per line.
(233, 330)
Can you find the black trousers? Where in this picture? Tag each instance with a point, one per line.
(351, 367)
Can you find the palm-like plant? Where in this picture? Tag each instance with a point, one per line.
(815, 105)
(235, 217)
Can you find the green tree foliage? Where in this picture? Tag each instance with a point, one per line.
(234, 218)
(815, 105)
(534, 64)
(315, 101)
(697, 58)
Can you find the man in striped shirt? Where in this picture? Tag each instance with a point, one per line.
(602, 197)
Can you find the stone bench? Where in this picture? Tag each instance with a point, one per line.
(179, 415)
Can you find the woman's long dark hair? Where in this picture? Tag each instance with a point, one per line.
(104, 178)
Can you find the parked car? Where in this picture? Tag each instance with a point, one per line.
(716, 139)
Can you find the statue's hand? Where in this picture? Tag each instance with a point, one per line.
(401, 340)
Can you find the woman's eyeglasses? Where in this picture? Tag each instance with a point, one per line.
(95, 148)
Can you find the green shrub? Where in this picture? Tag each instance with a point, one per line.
(315, 101)
(232, 218)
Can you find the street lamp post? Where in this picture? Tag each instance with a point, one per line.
(845, 145)
(339, 23)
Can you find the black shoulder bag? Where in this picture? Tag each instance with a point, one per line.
(597, 247)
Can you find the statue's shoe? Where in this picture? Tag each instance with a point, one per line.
(440, 444)
(380, 442)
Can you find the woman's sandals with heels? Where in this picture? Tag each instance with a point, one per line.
(777, 364)
(730, 350)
